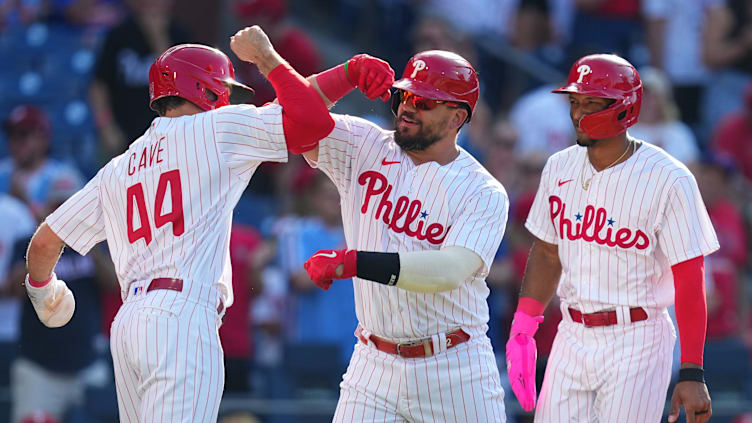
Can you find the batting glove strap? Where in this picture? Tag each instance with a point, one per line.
(692, 374)
(525, 324)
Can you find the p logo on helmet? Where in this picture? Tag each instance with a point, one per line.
(583, 70)
(439, 75)
(418, 66)
(606, 76)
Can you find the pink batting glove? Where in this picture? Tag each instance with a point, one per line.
(521, 357)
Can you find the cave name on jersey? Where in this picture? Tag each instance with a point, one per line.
(594, 221)
(377, 186)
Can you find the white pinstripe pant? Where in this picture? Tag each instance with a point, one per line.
(460, 384)
(167, 357)
(617, 373)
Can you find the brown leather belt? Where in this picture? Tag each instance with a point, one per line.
(173, 284)
(412, 349)
(606, 318)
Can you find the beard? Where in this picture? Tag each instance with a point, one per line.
(587, 142)
(425, 137)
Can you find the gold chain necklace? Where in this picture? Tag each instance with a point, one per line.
(586, 183)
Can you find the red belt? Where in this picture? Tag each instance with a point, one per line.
(606, 318)
(173, 284)
(412, 349)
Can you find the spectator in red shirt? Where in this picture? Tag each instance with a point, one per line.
(733, 136)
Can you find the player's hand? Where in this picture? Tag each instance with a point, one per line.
(327, 265)
(53, 302)
(251, 44)
(695, 398)
(373, 76)
(521, 356)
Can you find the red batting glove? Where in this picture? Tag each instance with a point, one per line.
(326, 265)
(373, 76)
(521, 356)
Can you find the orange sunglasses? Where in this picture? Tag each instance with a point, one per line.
(422, 103)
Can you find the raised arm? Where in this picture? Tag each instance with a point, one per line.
(305, 118)
(371, 75)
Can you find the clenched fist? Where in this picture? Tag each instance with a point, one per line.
(53, 302)
(327, 265)
(373, 76)
(251, 44)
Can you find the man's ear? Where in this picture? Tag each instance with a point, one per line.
(459, 117)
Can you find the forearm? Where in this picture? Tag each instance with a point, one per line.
(542, 272)
(722, 54)
(656, 29)
(691, 309)
(99, 98)
(312, 80)
(43, 253)
(436, 270)
(418, 271)
(268, 61)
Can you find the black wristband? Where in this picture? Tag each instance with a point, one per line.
(692, 374)
(378, 267)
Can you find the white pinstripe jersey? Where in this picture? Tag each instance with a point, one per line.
(391, 205)
(165, 205)
(618, 239)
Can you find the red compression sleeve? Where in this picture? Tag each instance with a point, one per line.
(334, 83)
(530, 306)
(691, 308)
(305, 118)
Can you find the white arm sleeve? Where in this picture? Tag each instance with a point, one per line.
(437, 270)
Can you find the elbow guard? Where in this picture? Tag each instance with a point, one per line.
(305, 118)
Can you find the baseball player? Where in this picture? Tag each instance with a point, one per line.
(165, 208)
(621, 234)
(423, 220)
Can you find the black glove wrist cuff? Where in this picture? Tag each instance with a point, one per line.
(692, 374)
(378, 267)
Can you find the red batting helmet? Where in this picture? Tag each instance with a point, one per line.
(606, 76)
(440, 75)
(188, 70)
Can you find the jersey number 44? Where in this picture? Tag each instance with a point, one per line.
(135, 196)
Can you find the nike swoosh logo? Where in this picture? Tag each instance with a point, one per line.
(564, 182)
(328, 255)
(384, 162)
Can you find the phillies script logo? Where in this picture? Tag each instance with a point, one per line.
(377, 186)
(594, 221)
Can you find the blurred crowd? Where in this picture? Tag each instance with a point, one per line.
(74, 90)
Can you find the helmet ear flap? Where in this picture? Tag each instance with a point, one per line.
(192, 72)
(396, 99)
(606, 76)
